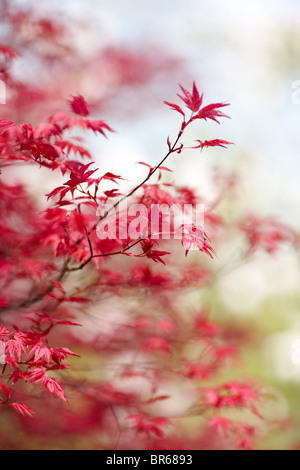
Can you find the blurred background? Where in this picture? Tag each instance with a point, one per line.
(243, 53)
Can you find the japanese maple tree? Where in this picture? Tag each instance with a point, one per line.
(96, 344)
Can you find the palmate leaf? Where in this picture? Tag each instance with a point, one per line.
(79, 106)
(175, 107)
(192, 100)
(23, 409)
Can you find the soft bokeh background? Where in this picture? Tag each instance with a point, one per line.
(247, 54)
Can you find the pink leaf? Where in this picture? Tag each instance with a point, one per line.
(23, 409)
(192, 101)
(175, 107)
(5, 390)
(79, 106)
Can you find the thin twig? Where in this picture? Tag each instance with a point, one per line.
(105, 254)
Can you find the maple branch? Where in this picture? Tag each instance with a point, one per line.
(172, 149)
(105, 254)
(3, 371)
(90, 243)
(28, 302)
(120, 251)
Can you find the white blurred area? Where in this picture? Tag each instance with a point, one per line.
(282, 354)
(244, 289)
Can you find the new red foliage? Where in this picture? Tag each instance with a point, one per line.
(57, 274)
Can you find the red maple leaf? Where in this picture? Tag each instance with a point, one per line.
(149, 425)
(23, 409)
(79, 106)
(192, 100)
(195, 237)
(212, 111)
(175, 107)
